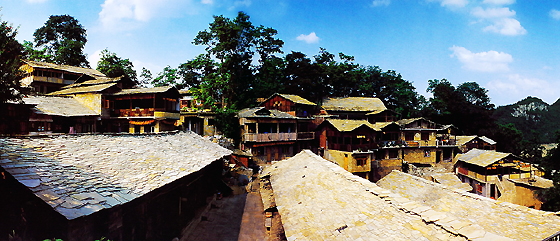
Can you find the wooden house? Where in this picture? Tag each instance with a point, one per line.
(353, 143)
(467, 143)
(501, 176)
(291, 104)
(46, 77)
(421, 144)
(144, 110)
(271, 134)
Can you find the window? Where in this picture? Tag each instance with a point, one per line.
(393, 154)
(427, 154)
(251, 128)
(425, 136)
(361, 161)
(409, 136)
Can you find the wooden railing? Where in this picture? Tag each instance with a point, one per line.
(267, 137)
(306, 135)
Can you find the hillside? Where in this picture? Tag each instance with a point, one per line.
(536, 119)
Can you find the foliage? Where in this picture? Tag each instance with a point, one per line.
(146, 78)
(11, 52)
(467, 107)
(113, 66)
(168, 77)
(551, 165)
(61, 41)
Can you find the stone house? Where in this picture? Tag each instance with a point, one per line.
(501, 176)
(271, 135)
(46, 77)
(84, 187)
(467, 143)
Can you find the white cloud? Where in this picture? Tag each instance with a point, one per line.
(94, 58)
(499, 2)
(491, 61)
(310, 38)
(451, 3)
(377, 3)
(506, 26)
(516, 87)
(554, 14)
(492, 12)
(500, 20)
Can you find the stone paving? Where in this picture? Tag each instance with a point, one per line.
(79, 175)
(457, 210)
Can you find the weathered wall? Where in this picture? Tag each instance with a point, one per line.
(381, 168)
(417, 155)
(519, 194)
(347, 161)
(91, 100)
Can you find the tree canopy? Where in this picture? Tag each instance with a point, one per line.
(61, 41)
(113, 66)
(11, 52)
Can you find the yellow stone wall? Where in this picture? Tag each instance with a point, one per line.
(416, 155)
(91, 100)
(520, 195)
(385, 166)
(347, 161)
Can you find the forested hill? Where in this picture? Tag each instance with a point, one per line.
(536, 119)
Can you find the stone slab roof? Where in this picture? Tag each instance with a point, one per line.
(80, 175)
(83, 89)
(319, 200)
(482, 158)
(345, 125)
(59, 106)
(451, 180)
(488, 140)
(72, 69)
(462, 140)
(261, 112)
(161, 89)
(96, 81)
(296, 99)
(353, 104)
(458, 208)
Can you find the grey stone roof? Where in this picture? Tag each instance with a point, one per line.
(471, 214)
(318, 200)
(353, 104)
(72, 69)
(261, 112)
(482, 158)
(59, 106)
(83, 89)
(80, 175)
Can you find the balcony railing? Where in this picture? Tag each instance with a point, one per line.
(491, 178)
(306, 135)
(268, 137)
(148, 112)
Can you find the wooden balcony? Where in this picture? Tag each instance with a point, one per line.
(148, 112)
(305, 136)
(269, 137)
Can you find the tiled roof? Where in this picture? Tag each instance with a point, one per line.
(83, 89)
(96, 81)
(462, 140)
(482, 158)
(470, 213)
(318, 200)
(353, 104)
(297, 99)
(451, 180)
(261, 112)
(488, 140)
(153, 90)
(72, 69)
(80, 175)
(344, 125)
(59, 106)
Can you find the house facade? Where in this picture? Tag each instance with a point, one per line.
(501, 176)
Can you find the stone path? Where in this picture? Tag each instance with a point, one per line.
(237, 217)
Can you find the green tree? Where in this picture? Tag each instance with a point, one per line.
(233, 43)
(146, 78)
(63, 38)
(113, 66)
(168, 77)
(11, 52)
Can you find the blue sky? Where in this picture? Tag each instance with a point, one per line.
(509, 47)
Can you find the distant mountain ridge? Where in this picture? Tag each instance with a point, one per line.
(536, 119)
